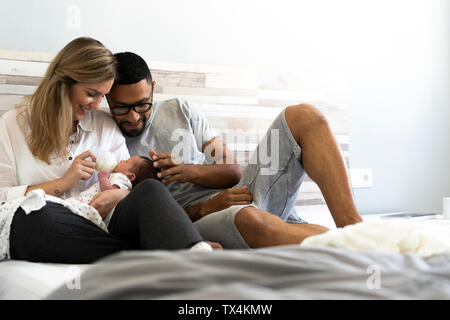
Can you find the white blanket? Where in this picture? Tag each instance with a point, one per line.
(424, 238)
(33, 201)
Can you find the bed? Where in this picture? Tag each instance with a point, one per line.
(244, 101)
(22, 280)
(275, 273)
(287, 272)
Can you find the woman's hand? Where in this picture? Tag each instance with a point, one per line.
(105, 201)
(81, 169)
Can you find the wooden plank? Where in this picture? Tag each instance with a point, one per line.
(310, 196)
(241, 80)
(339, 127)
(342, 138)
(23, 55)
(8, 101)
(237, 111)
(259, 127)
(166, 78)
(23, 68)
(280, 81)
(303, 80)
(300, 80)
(309, 186)
(309, 202)
(20, 80)
(16, 89)
(208, 99)
(240, 125)
(197, 68)
(202, 91)
(285, 95)
(322, 105)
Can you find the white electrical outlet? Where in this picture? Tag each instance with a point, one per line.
(361, 178)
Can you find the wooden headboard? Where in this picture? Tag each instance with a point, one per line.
(232, 98)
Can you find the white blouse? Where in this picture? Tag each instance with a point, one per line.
(20, 169)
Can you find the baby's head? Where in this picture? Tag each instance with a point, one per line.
(136, 169)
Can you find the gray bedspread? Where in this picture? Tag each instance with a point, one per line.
(286, 272)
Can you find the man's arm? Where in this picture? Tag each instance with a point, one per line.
(223, 173)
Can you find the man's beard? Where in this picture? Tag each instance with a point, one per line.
(132, 132)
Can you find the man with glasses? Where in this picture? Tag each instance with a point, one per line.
(238, 210)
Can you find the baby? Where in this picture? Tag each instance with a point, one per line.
(125, 175)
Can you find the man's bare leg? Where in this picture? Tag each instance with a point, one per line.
(323, 161)
(263, 229)
(324, 164)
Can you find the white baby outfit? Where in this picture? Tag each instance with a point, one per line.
(80, 204)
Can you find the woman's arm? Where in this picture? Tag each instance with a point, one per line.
(54, 188)
(81, 169)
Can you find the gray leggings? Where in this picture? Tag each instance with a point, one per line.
(148, 218)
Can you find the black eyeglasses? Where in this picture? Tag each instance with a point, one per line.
(141, 107)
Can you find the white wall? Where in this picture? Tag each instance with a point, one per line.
(400, 108)
(392, 55)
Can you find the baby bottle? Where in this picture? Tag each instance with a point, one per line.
(105, 161)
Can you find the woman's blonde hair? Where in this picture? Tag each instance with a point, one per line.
(49, 110)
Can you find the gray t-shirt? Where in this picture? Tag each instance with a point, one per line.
(176, 127)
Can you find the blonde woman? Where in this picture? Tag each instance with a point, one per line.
(43, 160)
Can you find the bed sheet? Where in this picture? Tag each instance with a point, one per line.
(286, 272)
(22, 280)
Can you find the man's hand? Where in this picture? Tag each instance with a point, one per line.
(105, 201)
(173, 169)
(223, 200)
(229, 197)
(216, 175)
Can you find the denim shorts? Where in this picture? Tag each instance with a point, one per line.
(274, 184)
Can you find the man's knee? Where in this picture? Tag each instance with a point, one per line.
(252, 225)
(303, 118)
